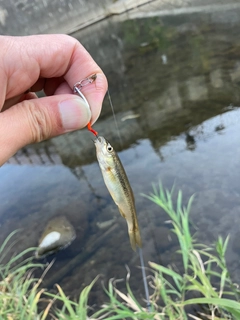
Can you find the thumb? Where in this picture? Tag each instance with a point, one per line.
(35, 120)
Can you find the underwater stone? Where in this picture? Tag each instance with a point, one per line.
(58, 234)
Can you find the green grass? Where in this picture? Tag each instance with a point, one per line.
(205, 278)
(19, 291)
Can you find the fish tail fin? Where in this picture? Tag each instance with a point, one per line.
(135, 238)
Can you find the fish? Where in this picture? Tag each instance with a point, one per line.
(130, 116)
(118, 185)
(106, 224)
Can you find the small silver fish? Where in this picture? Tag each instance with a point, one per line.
(119, 187)
(130, 116)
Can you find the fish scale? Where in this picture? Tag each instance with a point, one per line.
(119, 187)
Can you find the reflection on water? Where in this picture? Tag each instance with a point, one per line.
(174, 82)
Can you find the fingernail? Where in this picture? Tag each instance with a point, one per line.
(75, 114)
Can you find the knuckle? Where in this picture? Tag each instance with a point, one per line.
(39, 122)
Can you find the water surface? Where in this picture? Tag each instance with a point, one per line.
(174, 83)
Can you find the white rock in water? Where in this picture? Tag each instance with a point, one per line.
(50, 239)
(58, 234)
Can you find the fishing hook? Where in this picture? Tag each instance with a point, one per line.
(77, 89)
(85, 81)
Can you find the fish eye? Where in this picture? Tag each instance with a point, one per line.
(109, 148)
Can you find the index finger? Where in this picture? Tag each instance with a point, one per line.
(49, 56)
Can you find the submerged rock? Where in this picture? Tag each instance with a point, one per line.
(58, 234)
(106, 224)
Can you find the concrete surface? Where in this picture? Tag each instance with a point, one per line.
(24, 17)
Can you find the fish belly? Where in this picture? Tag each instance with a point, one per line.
(126, 208)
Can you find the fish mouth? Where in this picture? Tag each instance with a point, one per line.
(95, 140)
(98, 139)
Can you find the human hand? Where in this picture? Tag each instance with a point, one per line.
(53, 63)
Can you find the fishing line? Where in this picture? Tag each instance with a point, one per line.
(139, 249)
(114, 117)
(77, 89)
(144, 279)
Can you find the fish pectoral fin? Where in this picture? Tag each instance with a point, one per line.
(122, 213)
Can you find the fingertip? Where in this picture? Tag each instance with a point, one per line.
(95, 93)
(74, 113)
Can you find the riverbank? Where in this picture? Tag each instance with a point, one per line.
(51, 16)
